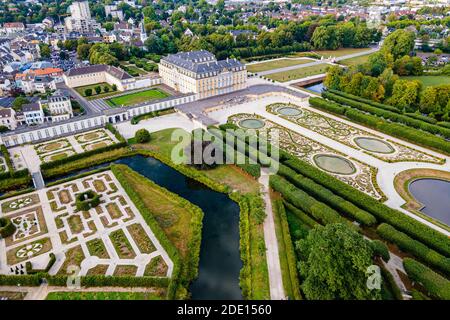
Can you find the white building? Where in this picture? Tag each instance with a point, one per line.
(33, 114)
(11, 28)
(58, 107)
(8, 118)
(201, 73)
(80, 19)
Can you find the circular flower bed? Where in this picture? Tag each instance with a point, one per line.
(87, 200)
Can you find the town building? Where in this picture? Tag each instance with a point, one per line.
(57, 108)
(96, 74)
(80, 18)
(32, 114)
(8, 118)
(201, 73)
(10, 28)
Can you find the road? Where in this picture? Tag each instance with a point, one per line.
(89, 109)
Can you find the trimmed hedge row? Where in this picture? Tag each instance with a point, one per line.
(410, 226)
(366, 101)
(87, 200)
(394, 129)
(386, 114)
(416, 248)
(51, 262)
(31, 280)
(303, 217)
(289, 247)
(325, 195)
(380, 249)
(111, 281)
(391, 282)
(434, 283)
(245, 275)
(12, 180)
(305, 202)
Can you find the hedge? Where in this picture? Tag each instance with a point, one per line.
(325, 195)
(32, 280)
(388, 114)
(410, 226)
(245, 275)
(378, 123)
(416, 248)
(289, 247)
(366, 101)
(179, 274)
(434, 283)
(302, 200)
(391, 282)
(380, 249)
(7, 228)
(50, 264)
(12, 180)
(112, 281)
(307, 220)
(87, 200)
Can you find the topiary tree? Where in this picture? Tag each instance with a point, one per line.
(114, 87)
(98, 89)
(88, 92)
(334, 260)
(142, 136)
(87, 200)
(106, 89)
(7, 228)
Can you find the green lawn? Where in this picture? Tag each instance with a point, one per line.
(136, 69)
(136, 97)
(264, 66)
(102, 94)
(298, 73)
(356, 60)
(340, 52)
(428, 81)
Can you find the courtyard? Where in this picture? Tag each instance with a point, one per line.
(137, 97)
(110, 238)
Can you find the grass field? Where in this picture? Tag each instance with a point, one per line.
(428, 81)
(136, 97)
(264, 66)
(356, 60)
(298, 73)
(340, 52)
(81, 91)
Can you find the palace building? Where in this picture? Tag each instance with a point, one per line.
(201, 73)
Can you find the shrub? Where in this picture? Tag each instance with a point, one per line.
(7, 228)
(399, 220)
(106, 89)
(142, 136)
(114, 87)
(435, 284)
(414, 247)
(380, 249)
(87, 200)
(88, 92)
(302, 200)
(98, 89)
(325, 195)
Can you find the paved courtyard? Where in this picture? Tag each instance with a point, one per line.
(109, 239)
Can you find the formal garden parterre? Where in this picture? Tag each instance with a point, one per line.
(354, 137)
(108, 237)
(357, 174)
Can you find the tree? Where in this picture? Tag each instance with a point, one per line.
(114, 87)
(3, 128)
(334, 260)
(19, 102)
(106, 89)
(333, 78)
(98, 89)
(399, 43)
(45, 51)
(142, 136)
(83, 51)
(405, 95)
(88, 92)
